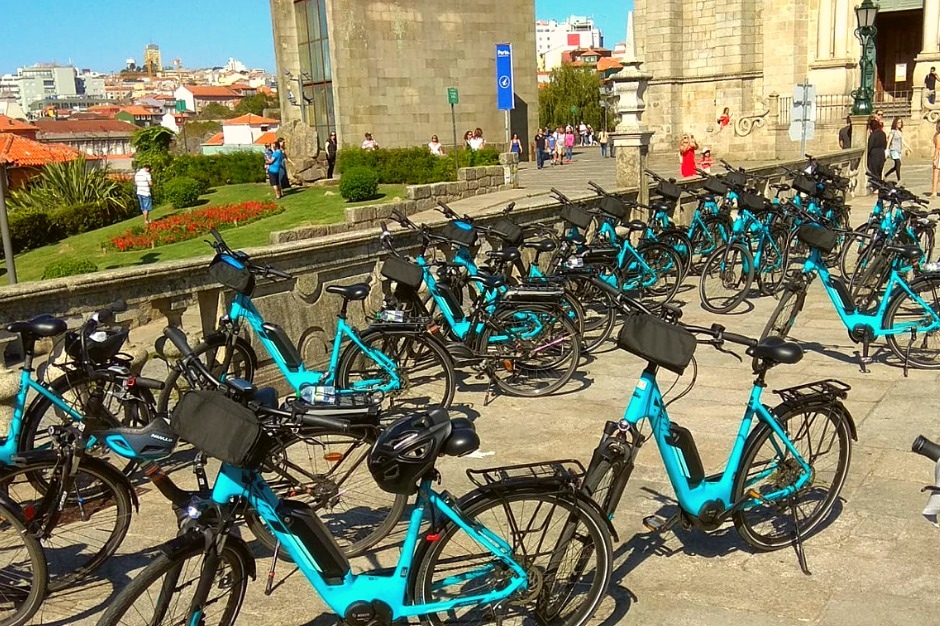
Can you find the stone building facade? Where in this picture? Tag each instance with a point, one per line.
(748, 56)
(384, 67)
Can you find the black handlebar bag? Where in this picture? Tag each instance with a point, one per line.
(232, 273)
(656, 340)
(222, 428)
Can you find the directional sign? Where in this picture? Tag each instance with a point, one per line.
(452, 96)
(504, 92)
(180, 105)
(803, 114)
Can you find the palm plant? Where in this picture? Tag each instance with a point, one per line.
(71, 184)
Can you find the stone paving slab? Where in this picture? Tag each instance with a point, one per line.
(875, 563)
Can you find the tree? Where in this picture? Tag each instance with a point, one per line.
(152, 139)
(572, 96)
(216, 111)
(255, 104)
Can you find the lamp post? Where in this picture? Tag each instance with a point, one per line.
(865, 14)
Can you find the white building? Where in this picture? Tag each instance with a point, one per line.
(574, 32)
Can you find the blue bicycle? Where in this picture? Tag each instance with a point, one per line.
(523, 545)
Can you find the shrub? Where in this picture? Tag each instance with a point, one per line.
(81, 218)
(68, 267)
(232, 168)
(30, 229)
(412, 166)
(358, 184)
(182, 191)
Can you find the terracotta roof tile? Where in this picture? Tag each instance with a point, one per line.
(10, 124)
(22, 152)
(267, 137)
(210, 91)
(250, 119)
(79, 127)
(138, 111)
(214, 140)
(608, 63)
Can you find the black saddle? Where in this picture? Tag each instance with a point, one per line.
(776, 350)
(545, 245)
(506, 255)
(635, 225)
(660, 205)
(42, 326)
(488, 280)
(463, 438)
(359, 291)
(908, 253)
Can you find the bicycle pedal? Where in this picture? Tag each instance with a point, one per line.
(659, 524)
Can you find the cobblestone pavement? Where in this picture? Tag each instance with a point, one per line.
(875, 563)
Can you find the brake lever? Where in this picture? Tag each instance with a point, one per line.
(720, 346)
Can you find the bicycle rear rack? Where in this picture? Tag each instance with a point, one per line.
(830, 388)
(566, 471)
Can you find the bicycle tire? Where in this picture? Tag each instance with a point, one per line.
(668, 272)
(682, 244)
(821, 490)
(342, 493)
(164, 573)
(99, 403)
(600, 316)
(783, 318)
(733, 267)
(866, 285)
(855, 244)
(22, 571)
(92, 524)
(424, 367)
(774, 262)
(513, 372)
(582, 533)
(242, 363)
(925, 239)
(919, 353)
(707, 240)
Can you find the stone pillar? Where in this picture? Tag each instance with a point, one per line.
(774, 107)
(824, 31)
(510, 163)
(844, 30)
(631, 138)
(632, 157)
(931, 33)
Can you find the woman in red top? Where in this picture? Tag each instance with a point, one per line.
(687, 148)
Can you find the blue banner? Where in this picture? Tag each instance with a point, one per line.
(504, 95)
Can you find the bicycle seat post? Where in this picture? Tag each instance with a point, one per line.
(342, 311)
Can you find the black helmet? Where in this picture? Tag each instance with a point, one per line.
(407, 450)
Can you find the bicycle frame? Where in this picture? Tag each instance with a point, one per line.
(243, 308)
(9, 447)
(647, 403)
(874, 321)
(390, 589)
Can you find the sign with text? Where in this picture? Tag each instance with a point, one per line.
(504, 92)
(452, 96)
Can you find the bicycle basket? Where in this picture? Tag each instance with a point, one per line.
(657, 341)
(102, 345)
(736, 179)
(576, 215)
(668, 189)
(818, 237)
(460, 233)
(715, 186)
(402, 272)
(805, 184)
(508, 231)
(232, 273)
(222, 428)
(613, 206)
(751, 201)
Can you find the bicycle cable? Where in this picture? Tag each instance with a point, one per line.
(688, 387)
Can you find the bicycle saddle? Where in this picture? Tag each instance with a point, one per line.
(42, 326)
(776, 351)
(358, 291)
(545, 245)
(635, 225)
(488, 280)
(908, 253)
(154, 441)
(507, 255)
(660, 206)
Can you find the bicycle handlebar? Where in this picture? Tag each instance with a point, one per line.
(560, 195)
(931, 450)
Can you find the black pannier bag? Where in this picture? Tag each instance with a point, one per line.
(600, 255)
(668, 189)
(222, 428)
(574, 214)
(613, 206)
(508, 231)
(736, 179)
(818, 237)
(98, 351)
(232, 273)
(402, 272)
(805, 184)
(751, 201)
(656, 340)
(715, 186)
(466, 237)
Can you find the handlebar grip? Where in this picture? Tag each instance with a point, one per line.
(148, 383)
(179, 340)
(740, 339)
(926, 447)
(333, 424)
(215, 235)
(104, 316)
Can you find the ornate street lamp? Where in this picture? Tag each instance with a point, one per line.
(865, 14)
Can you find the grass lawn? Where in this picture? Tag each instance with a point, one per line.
(313, 205)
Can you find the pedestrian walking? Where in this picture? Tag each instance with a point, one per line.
(435, 147)
(877, 144)
(602, 139)
(284, 181)
(369, 143)
(275, 163)
(551, 140)
(930, 85)
(144, 184)
(515, 145)
(896, 146)
(687, 148)
(541, 142)
(331, 150)
(935, 160)
(569, 143)
(582, 133)
(845, 134)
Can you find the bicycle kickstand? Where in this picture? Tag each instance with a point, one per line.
(907, 353)
(269, 584)
(863, 358)
(798, 541)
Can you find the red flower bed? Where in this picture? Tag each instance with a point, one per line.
(184, 226)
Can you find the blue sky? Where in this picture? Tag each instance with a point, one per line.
(100, 34)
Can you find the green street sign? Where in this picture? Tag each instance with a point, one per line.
(180, 105)
(452, 97)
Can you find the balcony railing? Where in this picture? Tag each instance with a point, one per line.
(829, 108)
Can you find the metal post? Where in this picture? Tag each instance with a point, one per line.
(303, 100)
(507, 131)
(453, 122)
(803, 117)
(5, 228)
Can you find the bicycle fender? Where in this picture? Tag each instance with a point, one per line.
(115, 475)
(185, 542)
(817, 401)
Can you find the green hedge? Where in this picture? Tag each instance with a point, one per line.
(31, 228)
(359, 184)
(183, 191)
(68, 267)
(218, 169)
(412, 166)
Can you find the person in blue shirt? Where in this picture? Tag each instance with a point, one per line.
(275, 165)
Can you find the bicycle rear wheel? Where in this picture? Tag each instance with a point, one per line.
(563, 545)
(921, 349)
(22, 570)
(853, 247)
(821, 434)
(657, 285)
(223, 361)
(600, 316)
(774, 260)
(329, 472)
(707, 240)
(160, 595)
(726, 278)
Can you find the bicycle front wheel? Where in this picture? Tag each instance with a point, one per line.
(221, 360)
(22, 570)
(160, 595)
(774, 260)
(726, 278)
(424, 369)
(600, 316)
(916, 346)
(821, 434)
(94, 517)
(659, 283)
(563, 546)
